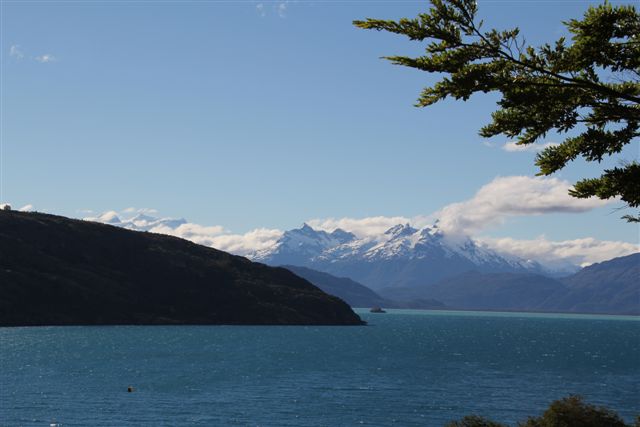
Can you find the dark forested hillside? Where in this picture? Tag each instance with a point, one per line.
(59, 271)
(612, 287)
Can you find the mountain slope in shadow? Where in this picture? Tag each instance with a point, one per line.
(59, 271)
(356, 294)
(611, 287)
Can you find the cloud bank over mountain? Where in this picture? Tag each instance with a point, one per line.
(371, 227)
(215, 236)
(554, 254)
(580, 252)
(492, 204)
(509, 197)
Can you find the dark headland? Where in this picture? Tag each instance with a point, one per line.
(60, 271)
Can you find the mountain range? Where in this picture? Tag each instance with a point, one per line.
(356, 294)
(609, 287)
(407, 267)
(60, 271)
(425, 268)
(402, 257)
(139, 222)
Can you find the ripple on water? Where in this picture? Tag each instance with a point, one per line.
(406, 368)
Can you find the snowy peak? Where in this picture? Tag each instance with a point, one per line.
(139, 222)
(301, 244)
(342, 236)
(402, 254)
(146, 223)
(400, 241)
(431, 231)
(400, 230)
(306, 235)
(110, 217)
(142, 218)
(306, 229)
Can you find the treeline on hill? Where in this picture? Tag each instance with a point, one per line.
(570, 411)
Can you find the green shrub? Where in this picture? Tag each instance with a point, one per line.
(570, 411)
(474, 421)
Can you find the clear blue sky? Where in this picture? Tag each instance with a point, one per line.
(214, 112)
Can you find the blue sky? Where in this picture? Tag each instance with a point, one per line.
(254, 114)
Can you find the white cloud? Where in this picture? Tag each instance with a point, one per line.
(217, 237)
(26, 208)
(16, 52)
(145, 211)
(371, 227)
(494, 202)
(559, 254)
(261, 10)
(109, 217)
(46, 58)
(511, 196)
(202, 235)
(282, 10)
(513, 146)
(244, 244)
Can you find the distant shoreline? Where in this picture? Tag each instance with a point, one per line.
(463, 310)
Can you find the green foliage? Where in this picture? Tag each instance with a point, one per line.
(570, 411)
(474, 421)
(591, 85)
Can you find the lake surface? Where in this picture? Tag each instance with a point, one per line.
(407, 368)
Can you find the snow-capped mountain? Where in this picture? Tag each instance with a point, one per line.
(402, 256)
(140, 222)
(297, 246)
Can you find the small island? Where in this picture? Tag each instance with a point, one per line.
(60, 271)
(377, 310)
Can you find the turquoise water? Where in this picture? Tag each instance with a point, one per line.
(407, 368)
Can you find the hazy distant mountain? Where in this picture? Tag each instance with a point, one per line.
(60, 271)
(402, 257)
(353, 293)
(608, 287)
(420, 267)
(484, 291)
(356, 294)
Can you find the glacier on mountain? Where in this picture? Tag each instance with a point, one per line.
(402, 256)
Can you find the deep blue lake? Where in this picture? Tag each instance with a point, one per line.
(407, 368)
